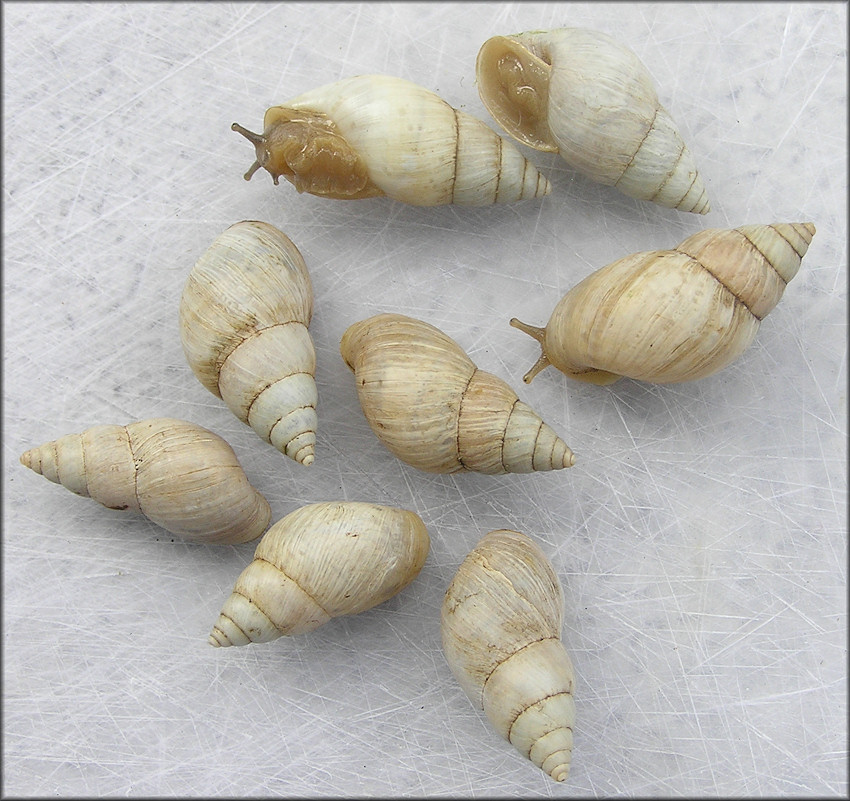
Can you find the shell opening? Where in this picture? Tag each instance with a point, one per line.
(513, 84)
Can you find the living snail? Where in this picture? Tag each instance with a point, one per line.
(501, 631)
(322, 561)
(244, 315)
(672, 315)
(177, 474)
(374, 135)
(582, 94)
(433, 408)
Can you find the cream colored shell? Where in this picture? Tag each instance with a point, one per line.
(586, 96)
(244, 317)
(179, 475)
(374, 135)
(501, 627)
(322, 561)
(666, 316)
(433, 408)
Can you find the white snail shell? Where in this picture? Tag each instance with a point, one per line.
(584, 95)
(244, 318)
(501, 631)
(672, 315)
(319, 562)
(179, 475)
(374, 135)
(435, 410)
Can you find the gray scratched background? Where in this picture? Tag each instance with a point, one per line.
(700, 538)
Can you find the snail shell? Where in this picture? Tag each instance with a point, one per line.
(374, 135)
(501, 627)
(322, 561)
(177, 474)
(584, 95)
(433, 408)
(244, 315)
(672, 315)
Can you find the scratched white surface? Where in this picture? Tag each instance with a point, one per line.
(700, 538)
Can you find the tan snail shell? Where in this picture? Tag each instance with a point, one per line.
(244, 315)
(672, 315)
(319, 562)
(177, 474)
(433, 408)
(374, 135)
(584, 95)
(501, 631)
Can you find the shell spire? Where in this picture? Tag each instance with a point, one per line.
(672, 315)
(434, 409)
(322, 561)
(179, 475)
(377, 135)
(244, 317)
(584, 95)
(501, 624)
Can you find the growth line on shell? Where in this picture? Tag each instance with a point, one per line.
(737, 298)
(767, 261)
(793, 246)
(638, 149)
(136, 463)
(670, 173)
(242, 631)
(543, 733)
(296, 583)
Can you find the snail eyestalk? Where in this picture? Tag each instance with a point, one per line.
(259, 143)
(253, 138)
(536, 333)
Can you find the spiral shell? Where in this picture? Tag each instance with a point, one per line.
(177, 474)
(672, 315)
(244, 315)
(501, 627)
(374, 135)
(434, 409)
(322, 561)
(584, 95)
